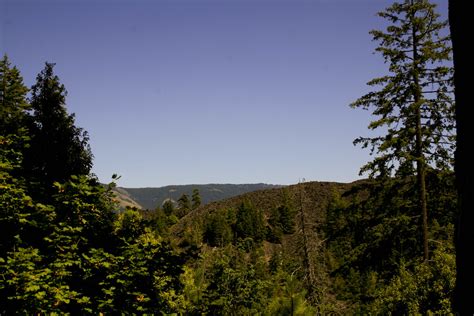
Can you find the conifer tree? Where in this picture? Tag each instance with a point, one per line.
(184, 205)
(13, 104)
(287, 214)
(250, 222)
(414, 105)
(196, 199)
(58, 149)
(168, 207)
(218, 231)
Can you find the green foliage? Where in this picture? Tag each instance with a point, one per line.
(282, 219)
(143, 278)
(218, 230)
(415, 100)
(414, 106)
(424, 289)
(249, 223)
(13, 103)
(82, 202)
(157, 220)
(236, 287)
(228, 281)
(34, 285)
(286, 219)
(168, 207)
(21, 218)
(375, 233)
(273, 234)
(129, 225)
(184, 205)
(65, 248)
(74, 269)
(288, 298)
(58, 149)
(193, 287)
(373, 244)
(196, 199)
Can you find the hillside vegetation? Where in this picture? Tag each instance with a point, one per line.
(381, 246)
(321, 247)
(316, 196)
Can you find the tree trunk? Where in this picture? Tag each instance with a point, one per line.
(421, 175)
(420, 159)
(461, 37)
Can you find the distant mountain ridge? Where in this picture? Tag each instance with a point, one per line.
(150, 198)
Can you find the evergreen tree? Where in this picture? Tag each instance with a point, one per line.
(168, 207)
(274, 230)
(196, 199)
(184, 205)
(281, 220)
(284, 216)
(157, 220)
(287, 219)
(414, 104)
(250, 222)
(66, 250)
(218, 231)
(58, 149)
(13, 104)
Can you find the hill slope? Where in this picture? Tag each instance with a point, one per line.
(345, 240)
(302, 250)
(314, 195)
(150, 198)
(124, 199)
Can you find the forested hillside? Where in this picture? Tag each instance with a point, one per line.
(383, 245)
(321, 247)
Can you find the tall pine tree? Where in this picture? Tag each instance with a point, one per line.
(13, 104)
(58, 149)
(414, 104)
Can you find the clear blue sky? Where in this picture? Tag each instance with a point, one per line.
(223, 91)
